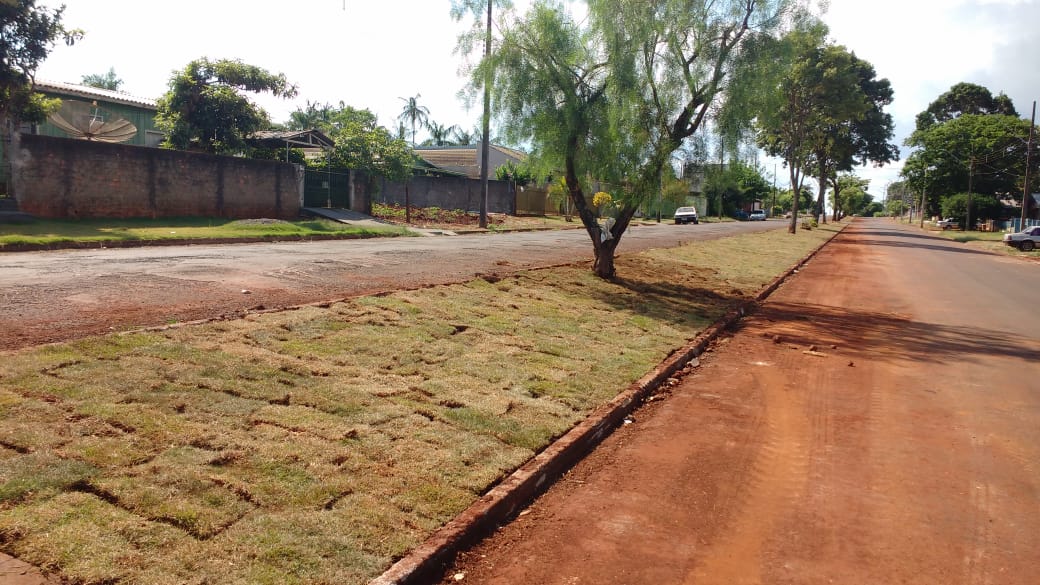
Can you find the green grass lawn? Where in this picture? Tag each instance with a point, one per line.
(318, 445)
(44, 232)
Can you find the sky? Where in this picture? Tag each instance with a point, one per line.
(375, 53)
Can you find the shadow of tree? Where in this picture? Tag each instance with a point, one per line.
(870, 335)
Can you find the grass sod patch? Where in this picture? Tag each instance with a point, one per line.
(319, 444)
(190, 228)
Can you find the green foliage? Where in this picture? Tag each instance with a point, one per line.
(964, 98)
(831, 115)
(849, 196)
(27, 35)
(983, 152)
(873, 209)
(734, 186)
(360, 142)
(109, 80)
(983, 207)
(204, 109)
(521, 174)
(615, 95)
(414, 113)
(439, 135)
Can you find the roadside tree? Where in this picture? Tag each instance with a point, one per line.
(205, 110)
(972, 154)
(832, 115)
(964, 98)
(614, 96)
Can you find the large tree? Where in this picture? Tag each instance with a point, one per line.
(609, 99)
(27, 35)
(964, 98)
(831, 117)
(786, 120)
(970, 154)
(855, 139)
(205, 110)
(360, 142)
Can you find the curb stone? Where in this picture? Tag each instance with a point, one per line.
(426, 562)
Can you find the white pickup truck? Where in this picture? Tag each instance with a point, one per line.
(1026, 240)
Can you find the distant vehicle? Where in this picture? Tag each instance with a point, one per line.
(686, 215)
(947, 224)
(757, 215)
(1026, 240)
(741, 215)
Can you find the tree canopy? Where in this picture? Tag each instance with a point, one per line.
(970, 142)
(609, 99)
(204, 109)
(27, 35)
(964, 98)
(360, 142)
(972, 153)
(832, 115)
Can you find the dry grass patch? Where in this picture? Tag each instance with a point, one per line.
(317, 445)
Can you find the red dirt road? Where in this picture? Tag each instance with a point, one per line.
(876, 421)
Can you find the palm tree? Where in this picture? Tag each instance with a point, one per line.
(440, 135)
(465, 137)
(414, 113)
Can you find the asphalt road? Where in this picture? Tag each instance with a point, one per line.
(56, 295)
(876, 421)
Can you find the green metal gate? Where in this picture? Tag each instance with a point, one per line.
(327, 188)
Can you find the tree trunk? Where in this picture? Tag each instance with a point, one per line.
(796, 200)
(603, 266)
(820, 204)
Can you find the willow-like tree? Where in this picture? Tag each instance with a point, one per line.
(611, 98)
(204, 108)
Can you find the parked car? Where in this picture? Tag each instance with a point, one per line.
(758, 215)
(741, 215)
(1026, 240)
(947, 224)
(686, 215)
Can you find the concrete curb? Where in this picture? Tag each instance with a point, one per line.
(427, 562)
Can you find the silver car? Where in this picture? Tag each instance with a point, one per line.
(686, 215)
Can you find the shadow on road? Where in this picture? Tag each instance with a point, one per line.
(886, 336)
(949, 247)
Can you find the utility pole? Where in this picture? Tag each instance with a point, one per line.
(485, 146)
(1029, 162)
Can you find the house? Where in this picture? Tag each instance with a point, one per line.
(465, 160)
(98, 114)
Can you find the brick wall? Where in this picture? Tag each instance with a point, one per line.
(448, 193)
(67, 178)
